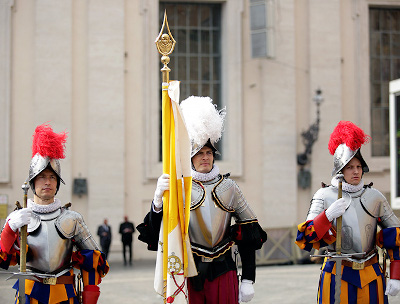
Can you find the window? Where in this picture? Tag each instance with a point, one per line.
(218, 76)
(384, 31)
(261, 28)
(394, 103)
(196, 60)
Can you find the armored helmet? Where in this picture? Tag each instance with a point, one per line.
(47, 149)
(345, 143)
(203, 121)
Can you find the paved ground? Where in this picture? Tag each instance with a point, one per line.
(285, 284)
(134, 284)
(273, 283)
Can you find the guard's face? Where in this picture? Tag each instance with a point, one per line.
(46, 184)
(203, 160)
(353, 172)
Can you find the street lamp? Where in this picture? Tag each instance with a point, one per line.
(309, 137)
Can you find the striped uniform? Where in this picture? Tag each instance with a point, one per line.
(357, 286)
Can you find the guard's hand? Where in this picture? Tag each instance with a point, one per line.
(336, 209)
(246, 291)
(162, 185)
(393, 287)
(19, 218)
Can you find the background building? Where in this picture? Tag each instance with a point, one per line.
(91, 68)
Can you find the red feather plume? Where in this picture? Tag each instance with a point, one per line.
(349, 134)
(48, 143)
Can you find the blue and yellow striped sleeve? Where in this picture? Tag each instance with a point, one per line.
(93, 265)
(315, 233)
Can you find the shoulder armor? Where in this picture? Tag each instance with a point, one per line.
(322, 199)
(321, 192)
(324, 194)
(317, 203)
(230, 198)
(374, 202)
(66, 222)
(34, 224)
(198, 195)
(223, 192)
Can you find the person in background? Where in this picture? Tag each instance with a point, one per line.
(126, 229)
(104, 232)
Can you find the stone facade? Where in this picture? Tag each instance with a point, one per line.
(91, 68)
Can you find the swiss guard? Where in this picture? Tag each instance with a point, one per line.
(58, 239)
(344, 218)
(215, 200)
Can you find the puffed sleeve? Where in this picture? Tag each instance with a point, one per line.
(149, 230)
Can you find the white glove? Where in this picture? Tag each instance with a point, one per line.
(246, 291)
(393, 287)
(162, 185)
(336, 209)
(19, 218)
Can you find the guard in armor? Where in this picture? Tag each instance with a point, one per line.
(361, 209)
(58, 238)
(215, 200)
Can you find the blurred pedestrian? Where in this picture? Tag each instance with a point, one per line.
(104, 232)
(126, 229)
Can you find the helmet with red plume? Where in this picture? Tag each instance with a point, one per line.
(47, 148)
(345, 143)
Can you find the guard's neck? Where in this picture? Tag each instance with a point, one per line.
(40, 201)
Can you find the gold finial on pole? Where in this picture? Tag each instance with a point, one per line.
(165, 45)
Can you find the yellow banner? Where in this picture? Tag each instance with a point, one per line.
(174, 249)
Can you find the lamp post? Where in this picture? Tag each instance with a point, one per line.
(309, 137)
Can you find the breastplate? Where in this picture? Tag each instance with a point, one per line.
(358, 227)
(49, 250)
(208, 223)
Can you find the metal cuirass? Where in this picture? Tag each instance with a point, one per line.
(51, 236)
(359, 224)
(50, 251)
(213, 204)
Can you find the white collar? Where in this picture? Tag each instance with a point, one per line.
(205, 177)
(347, 187)
(44, 208)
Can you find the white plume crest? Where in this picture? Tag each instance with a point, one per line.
(202, 119)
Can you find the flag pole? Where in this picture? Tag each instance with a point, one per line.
(23, 242)
(165, 44)
(174, 257)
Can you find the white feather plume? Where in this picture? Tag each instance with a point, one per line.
(203, 120)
